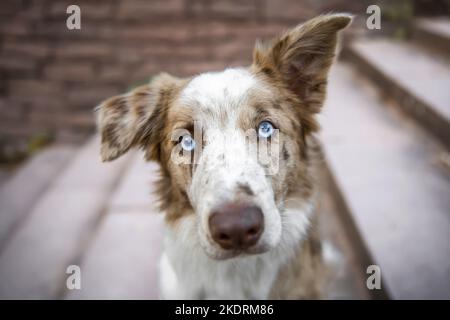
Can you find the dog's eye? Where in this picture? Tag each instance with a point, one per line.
(187, 143)
(265, 129)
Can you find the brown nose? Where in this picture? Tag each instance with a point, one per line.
(236, 225)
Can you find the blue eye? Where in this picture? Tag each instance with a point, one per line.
(187, 143)
(265, 129)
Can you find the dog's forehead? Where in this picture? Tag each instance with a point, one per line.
(225, 89)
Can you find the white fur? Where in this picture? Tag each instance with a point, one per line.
(213, 89)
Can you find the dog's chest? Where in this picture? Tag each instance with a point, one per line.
(199, 277)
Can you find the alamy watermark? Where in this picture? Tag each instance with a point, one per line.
(374, 20)
(374, 280)
(73, 281)
(73, 21)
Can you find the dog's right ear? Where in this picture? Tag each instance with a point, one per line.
(136, 119)
(300, 60)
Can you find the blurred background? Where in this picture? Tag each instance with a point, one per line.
(386, 137)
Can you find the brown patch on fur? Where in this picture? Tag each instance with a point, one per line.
(305, 275)
(301, 183)
(285, 153)
(245, 188)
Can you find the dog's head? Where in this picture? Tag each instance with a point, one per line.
(232, 145)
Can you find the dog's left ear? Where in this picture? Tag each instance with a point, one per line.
(136, 118)
(302, 57)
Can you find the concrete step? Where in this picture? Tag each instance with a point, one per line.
(418, 81)
(5, 174)
(348, 277)
(397, 197)
(121, 262)
(434, 34)
(34, 262)
(21, 191)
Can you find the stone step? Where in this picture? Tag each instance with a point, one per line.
(5, 174)
(21, 191)
(418, 81)
(396, 195)
(348, 277)
(434, 34)
(34, 262)
(121, 262)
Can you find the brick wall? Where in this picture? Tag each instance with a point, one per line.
(52, 77)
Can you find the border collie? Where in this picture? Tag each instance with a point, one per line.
(238, 164)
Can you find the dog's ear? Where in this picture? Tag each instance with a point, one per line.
(301, 57)
(136, 119)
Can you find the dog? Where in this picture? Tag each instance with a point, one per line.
(236, 227)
